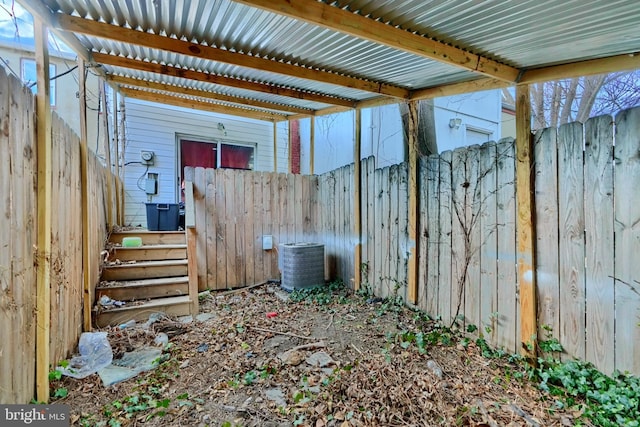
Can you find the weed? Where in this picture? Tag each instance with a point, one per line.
(322, 295)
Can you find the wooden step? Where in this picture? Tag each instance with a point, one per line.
(145, 289)
(151, 237)
(173, 306)
(145, 270)
(149, 253)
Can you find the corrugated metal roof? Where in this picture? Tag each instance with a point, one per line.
(519, 33)
(523, 33)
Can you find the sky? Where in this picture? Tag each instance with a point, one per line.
(16, 28)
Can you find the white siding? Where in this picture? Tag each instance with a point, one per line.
(155, 127)
(382, 133)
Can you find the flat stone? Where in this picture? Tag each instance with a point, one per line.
(276, 341)
(291, 357)
(320, 359)
(281, 295)
(203, 317)
(276, 395)
(185, 319)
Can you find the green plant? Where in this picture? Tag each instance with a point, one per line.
(321, 295)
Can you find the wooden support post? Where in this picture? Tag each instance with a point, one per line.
(87, 274)
(289, 145)
(116, 149)
(45, 209)
(312, 146)
(525, 226)
(412, 229)
(357, 208)
(122, 156)
(107, 155)
(192, 257)
(275, 147)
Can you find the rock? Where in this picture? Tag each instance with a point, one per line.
(276, 395)
(185, 319)
(275, 341)
(291, 357)
(320, 359)
(281, 295)
(203, 317)
(328, 371)
(434, 368)
(161, 339)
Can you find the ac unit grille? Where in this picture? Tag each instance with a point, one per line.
(302, 265)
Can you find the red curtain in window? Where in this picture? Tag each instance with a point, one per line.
(197, 154)
(235, 156)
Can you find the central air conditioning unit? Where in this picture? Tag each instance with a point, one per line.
(302, 265)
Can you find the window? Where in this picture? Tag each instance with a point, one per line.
(29, 77)
(236, 156)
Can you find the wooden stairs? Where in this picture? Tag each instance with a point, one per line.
(151, 278)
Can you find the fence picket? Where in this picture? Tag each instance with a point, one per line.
(627, 239)
(546, 176)
(598, 208)
(571, 238)
(488, 251)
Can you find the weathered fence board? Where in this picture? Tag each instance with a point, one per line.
(432, 220)
(546, 178)
(598, 211)
(627, 238)
(488, 251)
(506, 317)
(571, 238)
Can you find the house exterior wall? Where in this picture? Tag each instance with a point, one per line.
(156, 127)
(479, 112)
(382, 132)
(67, 105)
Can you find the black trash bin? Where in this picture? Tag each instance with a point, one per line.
(162, 216)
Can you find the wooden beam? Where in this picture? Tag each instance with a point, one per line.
(345, 21)
(459, 88)
(167, 70)
(128, 81)
(116, 155)
(312, 146)
(423, 93)
(87, 265)
(525, 226)
(200, 105)
(45, 210)
(191, 235)
(122, 155)
(107, 154)
(275, 147)
(412, 229)
(154, 41)
(357, 208)
(583, 68)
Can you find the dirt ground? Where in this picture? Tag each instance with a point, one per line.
(257, 358)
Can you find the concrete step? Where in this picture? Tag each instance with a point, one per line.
(140, 311)
(149, 253)
(144, 270)
(144, 289)
(151, 237)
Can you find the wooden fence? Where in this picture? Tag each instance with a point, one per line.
(18, 239)
(587, 216)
